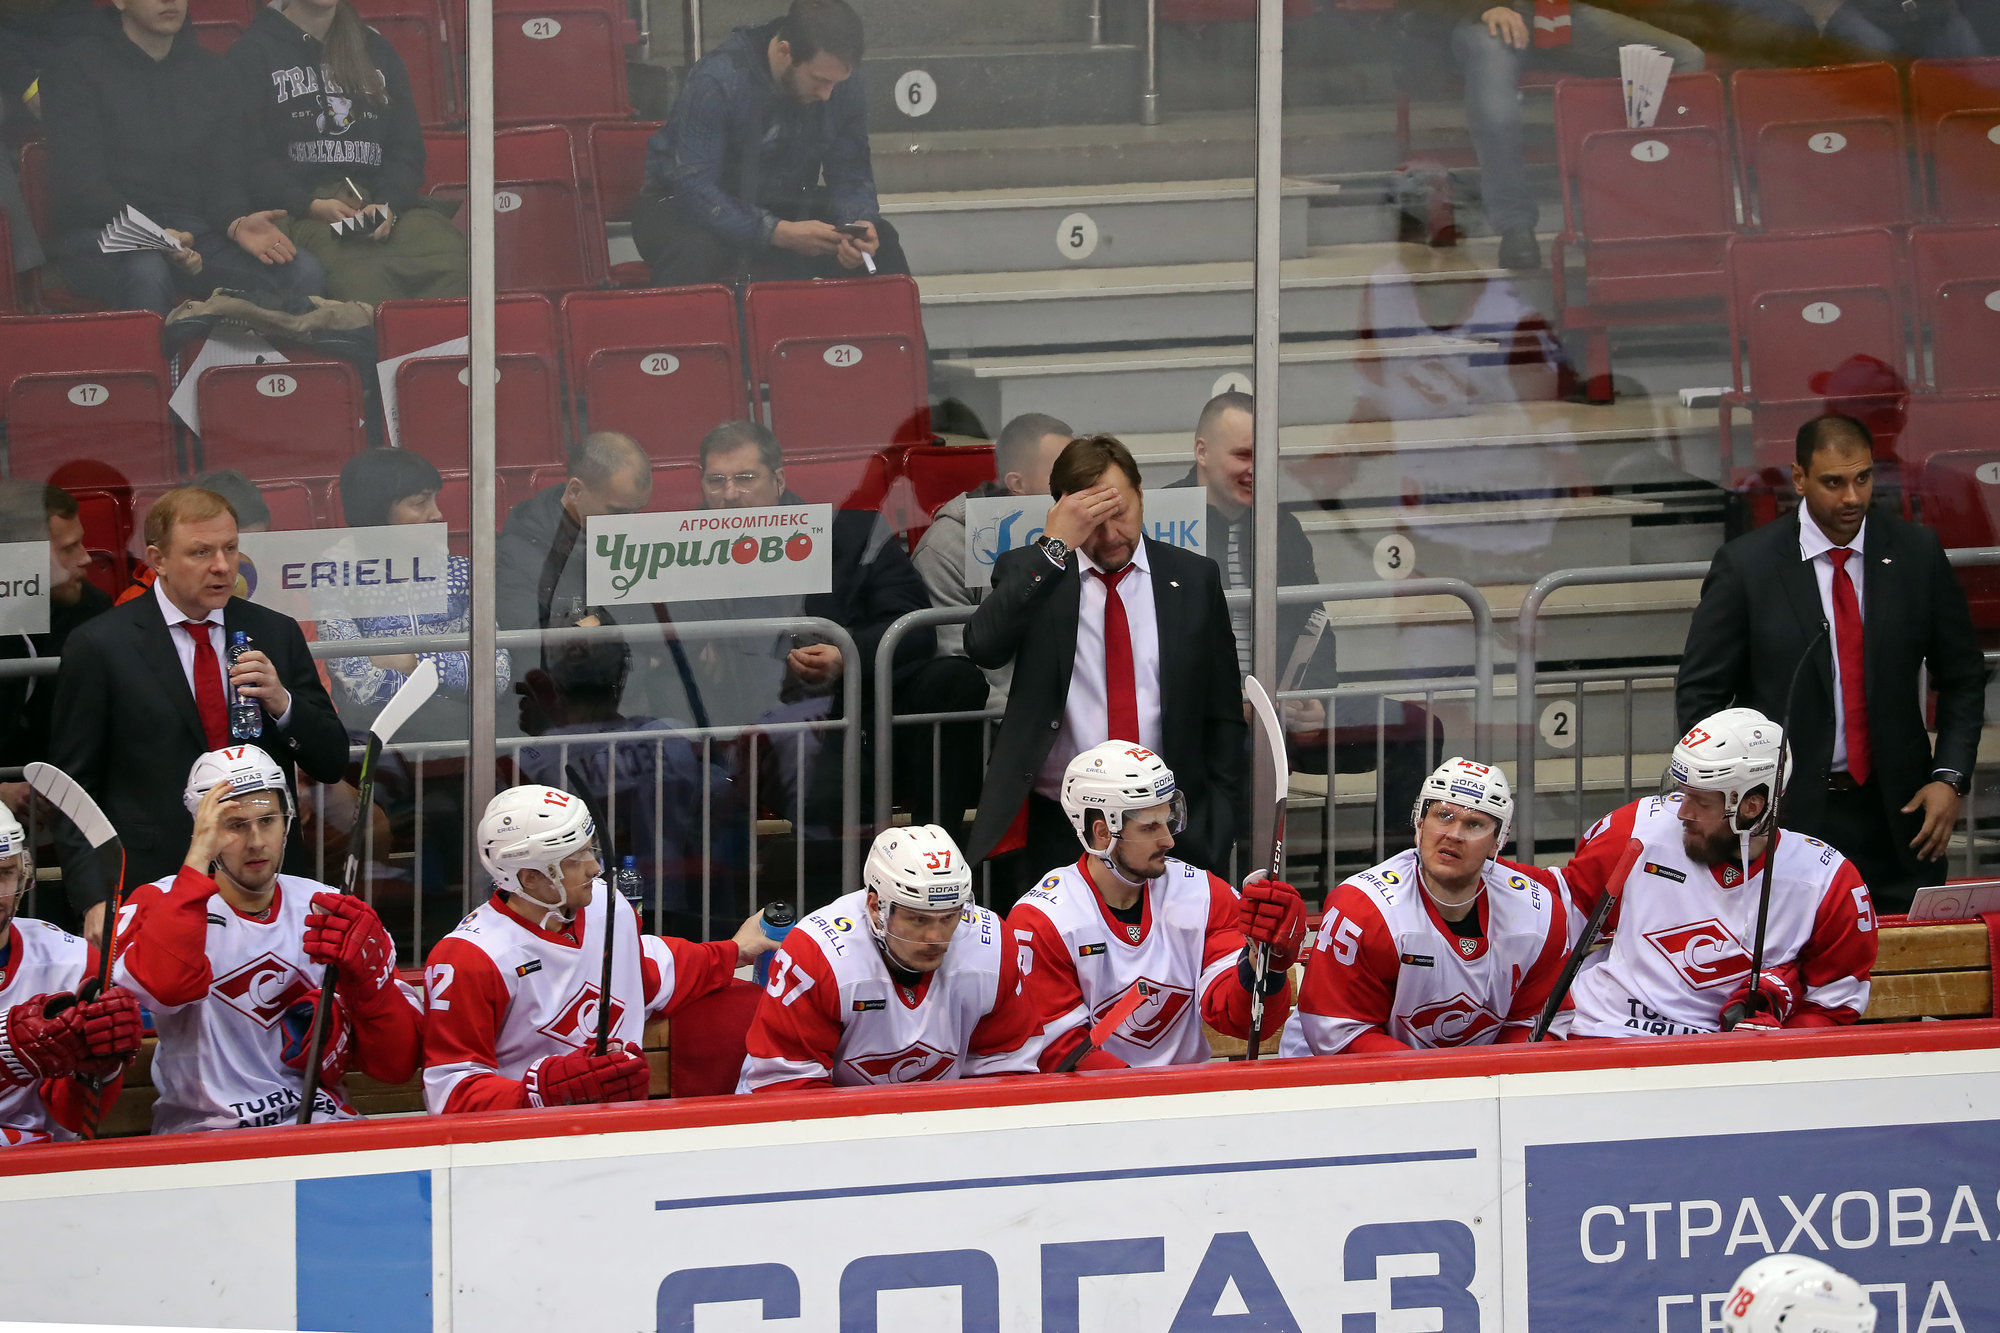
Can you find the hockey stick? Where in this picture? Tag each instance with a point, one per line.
(1754, 1002)
(62, 791)
(1613, 889)
(582, 793)
(1274, 740)
(414, 694)
(1101, 1031)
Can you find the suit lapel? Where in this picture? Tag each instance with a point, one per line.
(1878, 590)
(157, 651)
(1802, 592)
(1169, 608)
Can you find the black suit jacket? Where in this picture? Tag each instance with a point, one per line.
(1029, 618)
(125, 726)
(1759, 612)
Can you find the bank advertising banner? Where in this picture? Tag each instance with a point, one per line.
(1552, 1202)
(703, 554)
(357, 574)
(995, 525)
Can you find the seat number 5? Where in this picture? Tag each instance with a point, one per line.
(788, 980)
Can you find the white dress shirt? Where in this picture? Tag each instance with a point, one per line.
(1813, 546)
(1086, 713)
(218, 639)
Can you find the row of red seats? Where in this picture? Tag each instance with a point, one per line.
(1650, 212)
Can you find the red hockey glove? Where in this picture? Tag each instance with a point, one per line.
(34, 1045)
(580, 1077)
(345, 930)
(1271, 913)
(1778, 992)
(110, 1027)
(297, 1023)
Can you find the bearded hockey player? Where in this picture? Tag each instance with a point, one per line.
(1442, 945)
(229, 956)
(514, 991)
(1790, 1293)
(1126, 912)
(54, 1051)
(903, 982)
(1683, 931)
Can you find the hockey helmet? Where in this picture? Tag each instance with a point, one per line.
(14, 843)
(1479, 787)
(245, 768)
(1735, 752)
(1790, 1293)
(534, 828)
(1114, 779)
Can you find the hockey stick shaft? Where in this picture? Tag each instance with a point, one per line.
(1613, 889)
(582, 793)
(1101, 1031)
(1260, 956)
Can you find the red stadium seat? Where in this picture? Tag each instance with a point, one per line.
(1648, 211)
(563, 60)
(662, 365)
(1956, 281)
(1942, 422)
(433, 407)
(1958, 497)
(294, 505)
(1955, 106)
(416, 28)
(940, 472)
(218, 23)
(617, 159)
(300, 419)
(676, 488)
(35, 192)
(1821, 147)
(107, 532)
(10, 301)
(845, 481)
(539, 233)
(86, 388)
(843, 361)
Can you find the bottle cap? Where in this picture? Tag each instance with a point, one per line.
(779, 914)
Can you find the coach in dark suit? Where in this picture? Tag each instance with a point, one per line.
(143, 690)
(1864, 777)
(1041, 617)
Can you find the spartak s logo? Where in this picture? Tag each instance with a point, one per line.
(263, 988)
(915, 1063)
(1705, 953)
(576, 1022)
(1156, 1017)
(1459, 1021)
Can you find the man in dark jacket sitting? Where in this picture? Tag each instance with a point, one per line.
(733, 183)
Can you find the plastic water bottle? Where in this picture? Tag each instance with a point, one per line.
(777, 920)
(627, 881)
(246, 715)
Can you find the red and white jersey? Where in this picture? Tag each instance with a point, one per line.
(833, 1013)
(1386, 965)
(503, 992)
(225, 990)
(41, 960)
(1077, 960)
(1682, 932)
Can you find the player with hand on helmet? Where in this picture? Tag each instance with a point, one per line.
(1126, 912)
(55, 1049)
(229, 955)
(513, 993)
(1792, 1293)
(1442, 945)
(904, 981)
(1683, 932)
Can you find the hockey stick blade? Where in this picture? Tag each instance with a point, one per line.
(63, 792)
(1613, 890)
(1281, 778)
(1101, 1031)
(413, 694)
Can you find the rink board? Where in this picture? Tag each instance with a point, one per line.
(1552, 1190)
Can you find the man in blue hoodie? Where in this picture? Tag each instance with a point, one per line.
(764, 160)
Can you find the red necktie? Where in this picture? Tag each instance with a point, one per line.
(1121, 696)
(1853, 668)
(208, 698)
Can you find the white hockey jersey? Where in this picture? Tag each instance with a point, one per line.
(833, 1014)
(227, 992)
(41, 960)
(1387, 970)
(1077, 960)
(504, 992)
(1682, 933)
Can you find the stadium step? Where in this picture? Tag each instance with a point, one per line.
(1485, 541)
(910, 23)
(1089, 227)
(964, 86)
(1163, 389)
(1383, 286)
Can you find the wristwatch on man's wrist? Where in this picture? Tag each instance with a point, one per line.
(1952, 778)
(1055, 548)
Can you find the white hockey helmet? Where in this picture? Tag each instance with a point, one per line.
(1790, 1293)
(918, 867)
(245, 768)
(1734, 752)
(1461, 782)
(13, 843)
(534, 828)
(1114, 779)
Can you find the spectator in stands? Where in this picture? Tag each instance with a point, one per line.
(1899, 29)
(1865, 778)
(31, 32)
(1224, 450)
(31, 512)
(135, 119)
(765, 160)
(143, 693)
(1492, 43)
(1023, 453)
(1168, 682)
(325, 127)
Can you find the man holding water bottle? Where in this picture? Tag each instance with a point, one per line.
(148, 687)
